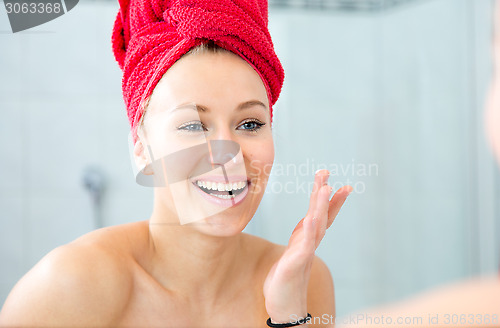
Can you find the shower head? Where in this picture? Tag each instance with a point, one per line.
(93, 180)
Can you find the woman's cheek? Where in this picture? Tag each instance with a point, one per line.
(261, 159)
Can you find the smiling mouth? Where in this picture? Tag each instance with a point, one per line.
(222, 190)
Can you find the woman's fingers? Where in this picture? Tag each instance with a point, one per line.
(321, 212)
(321, 209)
(336, 203)
(299, 225)
(320, 179)
(310, 225)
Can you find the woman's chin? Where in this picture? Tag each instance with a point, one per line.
(221, 225)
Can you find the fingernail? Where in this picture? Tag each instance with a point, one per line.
(321, 170)
(350, 190)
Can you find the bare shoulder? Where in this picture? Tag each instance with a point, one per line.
(321, 295)
(264, 254)
(479, 294)
(83, 283)
(264, 249)
(269, 252)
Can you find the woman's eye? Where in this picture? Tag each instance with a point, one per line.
(192, 127)
(251, 125)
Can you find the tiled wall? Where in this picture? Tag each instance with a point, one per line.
(62, 111)
(403, 90)
(393, 90)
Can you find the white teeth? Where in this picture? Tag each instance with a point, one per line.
(224, 196)
(219, 186)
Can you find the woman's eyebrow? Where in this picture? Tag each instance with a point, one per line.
(202, 108)
(250, 103)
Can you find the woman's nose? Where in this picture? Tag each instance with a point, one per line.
(223, 146)
(222, 151)
(220, 133)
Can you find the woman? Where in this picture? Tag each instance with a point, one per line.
(200, 113)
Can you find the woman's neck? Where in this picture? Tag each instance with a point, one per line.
(193, 264)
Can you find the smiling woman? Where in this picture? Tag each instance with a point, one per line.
(201, 126)
(228, 102)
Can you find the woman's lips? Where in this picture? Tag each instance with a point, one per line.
(217, 191)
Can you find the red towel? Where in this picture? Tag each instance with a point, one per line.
(150, 35)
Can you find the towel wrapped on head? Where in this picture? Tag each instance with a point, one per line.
(149, 36)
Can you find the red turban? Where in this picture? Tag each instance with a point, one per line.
(149, 36)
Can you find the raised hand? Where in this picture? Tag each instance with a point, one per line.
(285, 288)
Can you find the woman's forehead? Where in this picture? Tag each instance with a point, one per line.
(206, 81)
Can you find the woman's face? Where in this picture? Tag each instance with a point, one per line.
(207, 127)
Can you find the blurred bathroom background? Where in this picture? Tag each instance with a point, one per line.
(388, 94)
